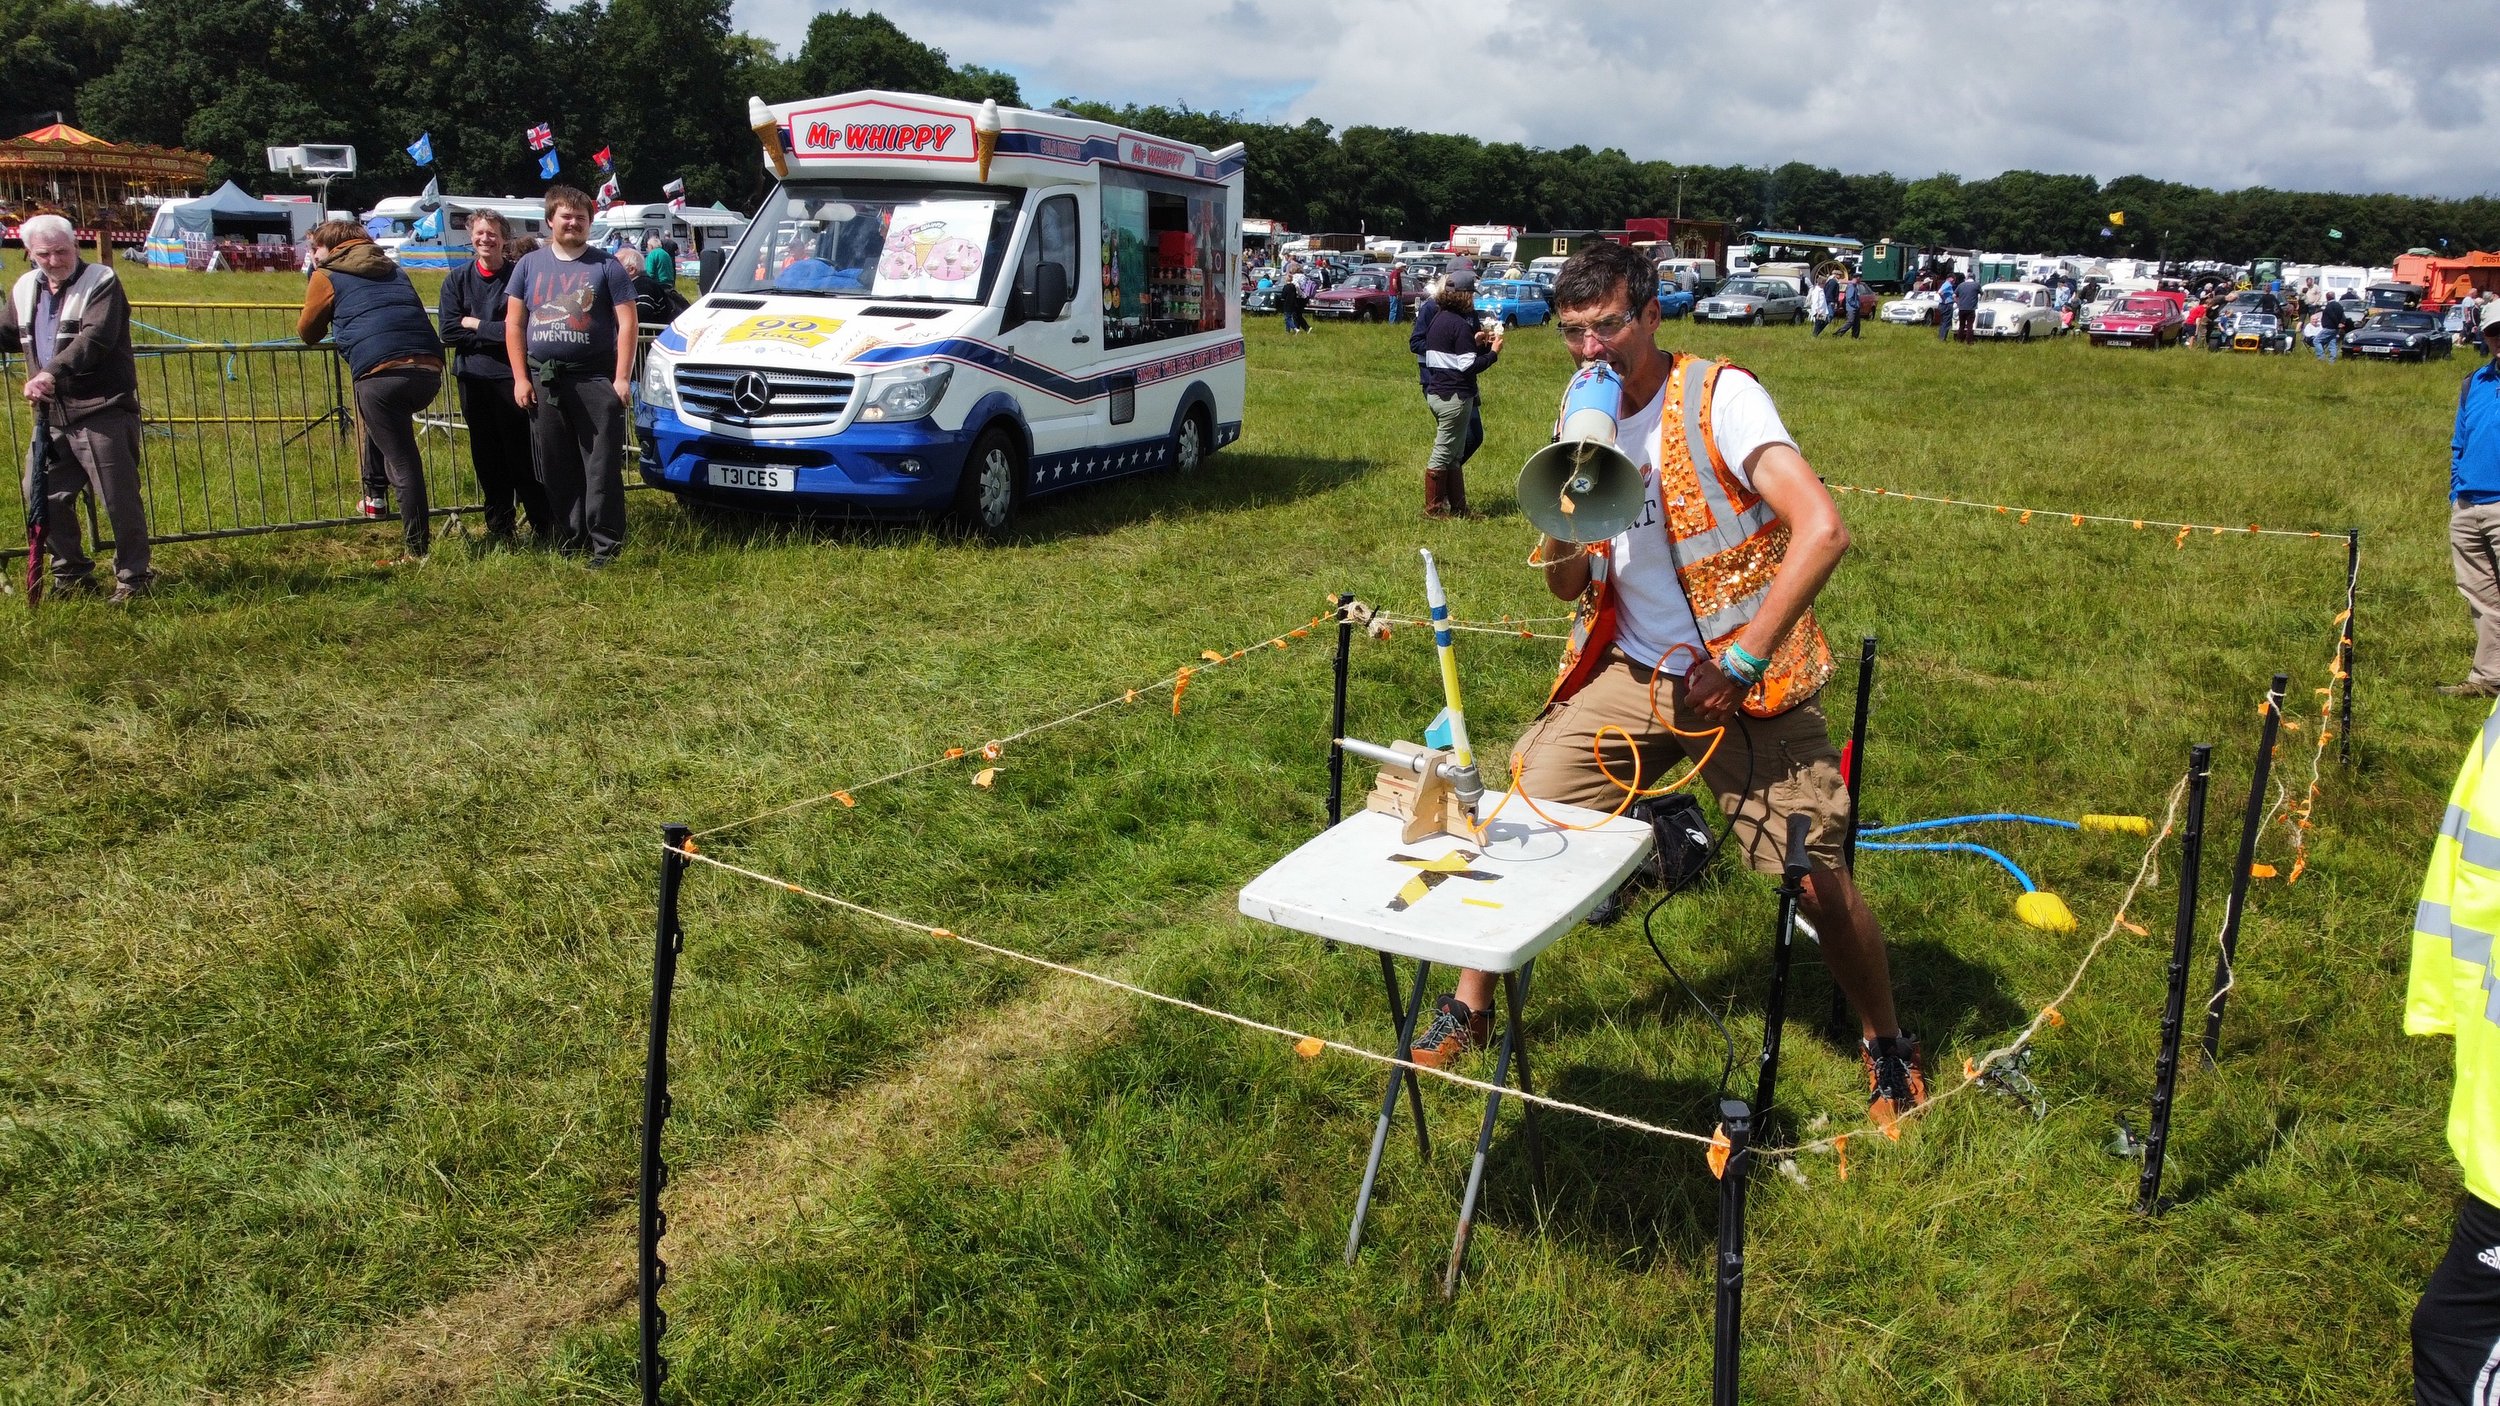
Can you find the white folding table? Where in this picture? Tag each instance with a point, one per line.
(1490, 904)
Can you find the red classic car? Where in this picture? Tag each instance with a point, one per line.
(2146, 318)
(1362, 297)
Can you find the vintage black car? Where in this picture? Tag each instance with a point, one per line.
(2400, 336)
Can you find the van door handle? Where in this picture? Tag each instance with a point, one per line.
(1080, 337)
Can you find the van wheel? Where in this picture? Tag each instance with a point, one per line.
(1191, 443)
(985, 497)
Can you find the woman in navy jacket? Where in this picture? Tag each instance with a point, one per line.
(1454, 350)
(471, 316)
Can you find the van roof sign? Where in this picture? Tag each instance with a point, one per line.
(879, 130)
(913, 130)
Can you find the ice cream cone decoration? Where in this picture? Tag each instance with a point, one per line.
(985, 137)
(768, 131)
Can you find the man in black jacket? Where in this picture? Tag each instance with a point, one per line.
(72, 320)
(471, 316)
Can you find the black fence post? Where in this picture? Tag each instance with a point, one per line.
(1726, 1329)
(1775, 1009)
(2252, 821)
(667, 942)
(1849, 838)
(2352, 607)
(2174, 1010)
(1336, 715)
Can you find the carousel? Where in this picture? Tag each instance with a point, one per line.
(105, 188)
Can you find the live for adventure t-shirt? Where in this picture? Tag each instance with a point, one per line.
(572, 306)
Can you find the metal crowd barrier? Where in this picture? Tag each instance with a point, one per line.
(248, 431)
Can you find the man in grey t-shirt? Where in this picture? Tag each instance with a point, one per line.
(569, 331)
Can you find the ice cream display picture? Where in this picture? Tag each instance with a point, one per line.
(934, 250)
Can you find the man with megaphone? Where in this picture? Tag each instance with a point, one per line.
(1679, 513)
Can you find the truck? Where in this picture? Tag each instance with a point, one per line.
(947, 307)
(2448, 279)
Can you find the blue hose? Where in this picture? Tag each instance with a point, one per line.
(1957, 847)
(1969, 820)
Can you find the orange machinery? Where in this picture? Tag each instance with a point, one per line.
(2446, 280)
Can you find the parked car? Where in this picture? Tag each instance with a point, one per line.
(2145, 319)
(1912, 310)
(2016, 312)
(1358, 297)
(1673, 301)
(2391, 296)
(2260, 332)
(2400, 336)
(1705, 273)
(1516, 301)
(1754, 300)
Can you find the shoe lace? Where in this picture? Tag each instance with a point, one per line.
(1446, 1022)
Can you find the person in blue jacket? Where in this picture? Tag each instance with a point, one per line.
(1455, 352)
(2474, 513)
(362, 301)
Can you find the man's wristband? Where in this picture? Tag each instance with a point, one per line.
(1741, 665)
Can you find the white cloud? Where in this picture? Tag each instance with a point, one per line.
(2351, 95)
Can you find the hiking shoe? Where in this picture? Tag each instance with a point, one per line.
(1454, 1031)
(126, 592)
(1895, 1082)
(2470, 689)
(372, 507)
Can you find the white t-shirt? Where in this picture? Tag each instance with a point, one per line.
(1651, 614)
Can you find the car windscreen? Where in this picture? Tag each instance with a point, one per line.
(902, 240)
(2405, 322)
(1746, 287)
(2146, 307)
(2008, 295)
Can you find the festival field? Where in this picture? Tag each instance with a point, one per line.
(329, 920)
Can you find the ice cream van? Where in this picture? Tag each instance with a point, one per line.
(951, 307)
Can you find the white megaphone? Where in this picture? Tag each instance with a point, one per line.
(1581, 488)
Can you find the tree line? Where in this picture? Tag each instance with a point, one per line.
(664, 83)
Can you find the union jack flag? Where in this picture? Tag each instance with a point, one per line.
(542, 137)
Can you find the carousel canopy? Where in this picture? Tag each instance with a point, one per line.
(63, 150)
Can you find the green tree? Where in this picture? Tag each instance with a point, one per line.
(844, 52)
(50, 47)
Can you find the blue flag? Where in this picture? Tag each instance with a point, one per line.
(421, 151)
(547, 166)
(431, 227)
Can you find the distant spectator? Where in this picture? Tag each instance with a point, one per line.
(569, 333)
(660, 261)
(1945, 302)
(2474, 514)
(655, 302)
(1966, 310)
(1397, 289)
(71, 320)
(1293, 298)
(361, 300)
(1456, 351)
(1819, 304)
(471, 315)
(1853, 301)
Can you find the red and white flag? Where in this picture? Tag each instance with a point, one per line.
(542, 137)
(676, 193)
(607, 192)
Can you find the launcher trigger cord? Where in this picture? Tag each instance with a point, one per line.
(1727, 1067)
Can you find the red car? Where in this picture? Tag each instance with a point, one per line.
(2150, 319)
(1360, 297)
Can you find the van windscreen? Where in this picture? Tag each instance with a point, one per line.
(902, 240)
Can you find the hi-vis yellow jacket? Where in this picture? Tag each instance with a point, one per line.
(2453, 990)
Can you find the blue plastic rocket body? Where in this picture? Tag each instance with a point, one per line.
(1596, 388)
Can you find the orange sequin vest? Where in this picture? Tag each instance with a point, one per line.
(1726, 543)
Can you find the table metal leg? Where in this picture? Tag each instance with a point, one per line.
(1414, 1086)
(1388, 1107)
(1484, 1143)
(1515, 995)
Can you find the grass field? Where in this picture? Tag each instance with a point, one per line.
(329, 910)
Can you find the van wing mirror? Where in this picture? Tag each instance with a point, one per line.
(1050, 291)
(709, 270)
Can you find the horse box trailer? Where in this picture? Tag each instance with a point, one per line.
(955, 306)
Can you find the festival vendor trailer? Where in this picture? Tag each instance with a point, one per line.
(954, 306)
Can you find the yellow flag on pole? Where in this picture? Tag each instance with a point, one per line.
(2117, 217)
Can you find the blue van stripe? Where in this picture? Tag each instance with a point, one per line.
(1008, 366)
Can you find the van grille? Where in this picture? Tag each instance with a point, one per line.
(798, 397)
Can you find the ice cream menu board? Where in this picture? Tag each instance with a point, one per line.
(934, 249)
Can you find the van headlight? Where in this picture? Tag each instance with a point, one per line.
(659, 387)
(906, 393)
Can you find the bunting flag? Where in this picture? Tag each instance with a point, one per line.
(607, 192)
(2335, 234)
(676, 193)
(432, 197)
(542, 137)
(547, 167)
(431, 226)
(2118, 217)
(421, 151)
(606, 157)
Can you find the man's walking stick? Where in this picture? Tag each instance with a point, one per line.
(38, 503)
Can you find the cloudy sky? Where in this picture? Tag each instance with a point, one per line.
(2353, 95)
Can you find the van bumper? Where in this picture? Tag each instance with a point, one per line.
(882, 470)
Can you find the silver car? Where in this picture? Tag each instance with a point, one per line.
(1754, 300)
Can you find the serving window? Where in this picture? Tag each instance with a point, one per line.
(1163, 253)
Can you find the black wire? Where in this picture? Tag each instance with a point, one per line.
(1727, 1069)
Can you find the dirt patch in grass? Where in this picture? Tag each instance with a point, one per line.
(456, 1350)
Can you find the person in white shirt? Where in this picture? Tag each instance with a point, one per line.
(1700, 617)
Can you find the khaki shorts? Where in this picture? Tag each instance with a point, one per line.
(1765, 769)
